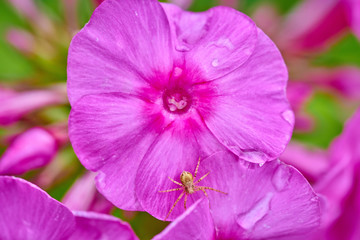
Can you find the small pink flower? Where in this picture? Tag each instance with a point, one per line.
(153, 88)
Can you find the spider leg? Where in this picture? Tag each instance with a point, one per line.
(200, 179)
(206, 195)
(177, 200)
(175, 181)
(185, 200)
(210, 188)
(171, 190)
(197, 168)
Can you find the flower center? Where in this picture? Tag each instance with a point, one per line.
(176, 100)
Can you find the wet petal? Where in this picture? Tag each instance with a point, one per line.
(27, 212)
(177, 149)
(209, 42)
(32, 149)
(122, 48)
(195, 223)
(100, 226)
(110, 133)
(250, 114)
(265, 202)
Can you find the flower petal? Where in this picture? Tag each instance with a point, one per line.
(110, 133)
(14, 105)
(250, 114)
(195, 223)
(27, 212)
(32, 149)
(122, 48)
(210, 43)
(265, 202)
(176, 150)
(100, 226)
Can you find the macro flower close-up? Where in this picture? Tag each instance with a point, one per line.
(179, 119)
(170, 90)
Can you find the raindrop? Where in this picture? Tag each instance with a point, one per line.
(182, 48)
(253, 156)
(215, 62)
(281, 177)
(288, 115)
(225, 42)
(248, 219)
(136, 13)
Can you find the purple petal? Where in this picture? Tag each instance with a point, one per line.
(27, 212)
(265, 202)
(83, 196)
(210, 44)
(122, 48)
(337, 184)
(250, 114)
(15, 105)
(32, 149)
(195, 223)
(110, 134)
(353, 13)
(100, 226)
(313, 23)
(176, 150)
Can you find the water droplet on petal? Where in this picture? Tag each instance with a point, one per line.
(136, 13)
(281, 177)
(288, 115)
(252, 156)
(215, 62)
(248, 219)
(261, 164)
(97, 39)
(182, 48)
(225, 42)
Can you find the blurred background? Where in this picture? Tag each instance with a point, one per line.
(319, 40)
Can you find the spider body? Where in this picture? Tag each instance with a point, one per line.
(188, 186)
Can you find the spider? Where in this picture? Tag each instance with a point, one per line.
(188, 186)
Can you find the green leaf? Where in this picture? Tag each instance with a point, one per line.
(344, 52)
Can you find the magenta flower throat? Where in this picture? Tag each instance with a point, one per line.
(153, 88)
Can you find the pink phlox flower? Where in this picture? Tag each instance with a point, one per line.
(153, 88)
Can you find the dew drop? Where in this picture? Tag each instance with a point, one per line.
(97, 39)
(182, 48)
(248, 219)
(281, 177)
(215, 62)
(288, 115)
(136, 13)
(225, 42)
(253, 156)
